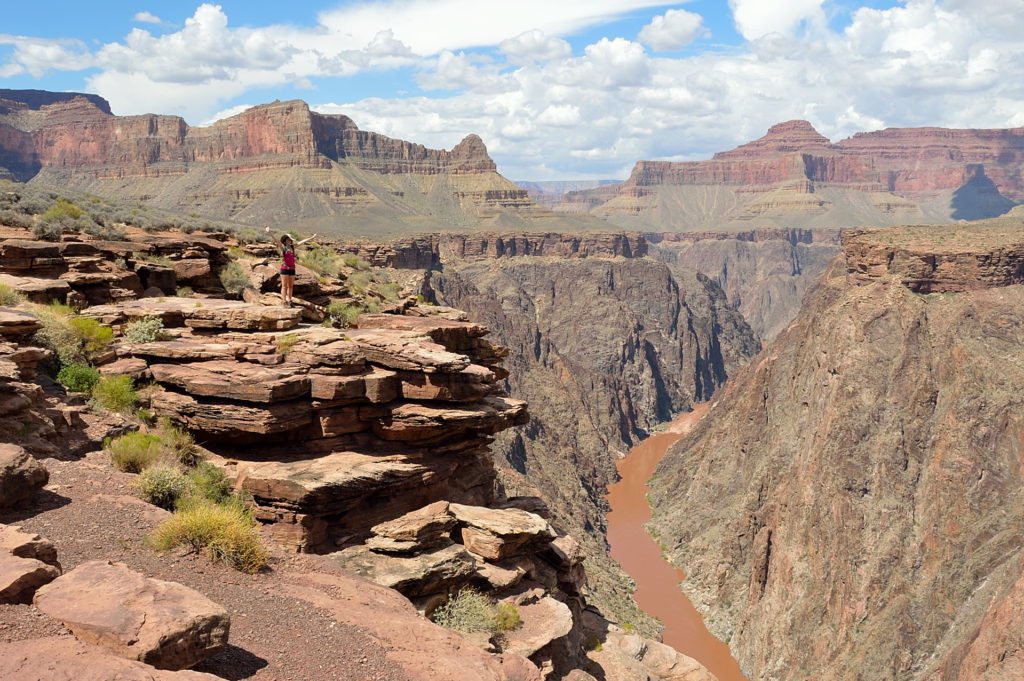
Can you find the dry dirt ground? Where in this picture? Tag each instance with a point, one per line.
(88, 511)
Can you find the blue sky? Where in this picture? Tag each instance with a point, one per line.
(557, 90)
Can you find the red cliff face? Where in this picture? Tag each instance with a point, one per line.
(80, 137)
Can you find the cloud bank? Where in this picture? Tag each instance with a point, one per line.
(546, 110)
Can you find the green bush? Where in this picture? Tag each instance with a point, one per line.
(178, 443)
(115, 393)
(145, 330)
(134, 452)
(507, 617)
(161, 485)
(62, 208)
(9, 297)
(468, 611)
(358, 282)
(354, 261)
(79, 378)
(95, 337)
(210, 483)
(185, 292)
(323, 261)
(343, 313)
(234, 279)
(227, 532)
(390, 291)
(73, 339)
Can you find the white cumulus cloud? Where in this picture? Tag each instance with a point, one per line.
(675, 29)
(757, 18)
(147, 18)
(533, 46)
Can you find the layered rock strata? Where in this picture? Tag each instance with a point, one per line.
(865, 471)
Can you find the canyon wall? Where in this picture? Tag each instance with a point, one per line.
(851, 507)
(603, 347)
(795, 177)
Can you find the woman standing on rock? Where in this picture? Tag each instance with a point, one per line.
(286, 245)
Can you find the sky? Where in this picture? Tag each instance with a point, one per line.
(557, 89)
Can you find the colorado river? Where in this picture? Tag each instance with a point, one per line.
(657, 591)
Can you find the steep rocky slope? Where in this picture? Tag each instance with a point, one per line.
(278, 162)
(795, 177)
(603, 347)
(852, 506)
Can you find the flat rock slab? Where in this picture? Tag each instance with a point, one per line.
(406, 350)
(413, 532)
(21, 577)
(498, 533)
(20, 474)
(16, 325)
(165, 624)
(208, 313)
(62, 658)
(422, 422)
(542, 622)
(17, 542)
(428, 573)
(225, 420)
(233, 380)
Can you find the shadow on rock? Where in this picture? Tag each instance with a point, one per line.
(233, 664)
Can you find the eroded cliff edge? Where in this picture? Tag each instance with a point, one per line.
(604, 347)
(852, 505)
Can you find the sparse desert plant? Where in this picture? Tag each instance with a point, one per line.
(354, 261)
(323, 261)
(134, 452)
(115, 393)
(72, 339)
(234, 279)
(343, 313)
(9, 297)
(179, 443)
(468, 611)
(185, 292)
(94, 336)
(161, 485)
(62, 208)
(359, 281)
(594, 644)
(79, 378)
(226, 532)
(210, 483)
(286, 342)
(145, 330)
(390, 290)
(507, 617)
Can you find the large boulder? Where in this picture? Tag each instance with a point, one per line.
(17, 542)
(497, 533)
(21, 577)
(165, 624)
(63, 658)
(415, 531)
(430, 572)
(20, 474)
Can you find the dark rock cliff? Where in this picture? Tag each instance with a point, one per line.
(851, 506)
(603, 348)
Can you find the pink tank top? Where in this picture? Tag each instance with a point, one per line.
(288, 259)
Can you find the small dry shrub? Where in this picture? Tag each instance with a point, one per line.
(161, 485)
(134, 452)
(226, 532)
(468, 611)
(115, 393)
(9, 297)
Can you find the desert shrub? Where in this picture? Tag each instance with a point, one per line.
(94, 337)
(209, 482)
(627, 627)
(469, 611)
(178, 443)
(354, 261)
(226, 532)
(161, 485)
(115, 393)
(58, 334)
(185, 292)
(134, 452)
(47, 231)
(79, 378)
(9, 296)
(359, 281)
(594, 643)
(506, 617)
(323, 261)
(286, 342)
(344, 313)
(61, 208)
(145, 330)
(234, 279)
(389, 290)
(15, 219)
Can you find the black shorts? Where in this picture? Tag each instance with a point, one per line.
(290, 273)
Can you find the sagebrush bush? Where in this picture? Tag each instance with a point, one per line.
(162, 485)
(234, 279)
(354, 261)
(358, 282)
(134, 452)
(468, 611)
(226, 532)
(9, 297)
(79, 378)
(145, 330)
(323, 261)
(506, 617)
(344, 313)
(73, 339)
(115, 393)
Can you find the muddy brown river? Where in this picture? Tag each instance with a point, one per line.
(657, 582)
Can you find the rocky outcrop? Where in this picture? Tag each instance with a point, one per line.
(865, 476)
(793, 176)
(461, 247)
(602, 348)
(20, 474)
(163, 624)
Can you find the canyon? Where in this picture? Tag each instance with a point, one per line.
(866, 469)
